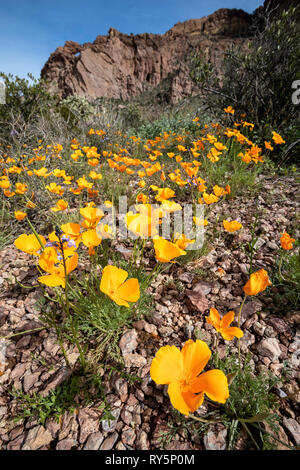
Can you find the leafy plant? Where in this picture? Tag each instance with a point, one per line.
(251, 402)
(257, 82)
(25, 100)
(286, 278)
(62, 399)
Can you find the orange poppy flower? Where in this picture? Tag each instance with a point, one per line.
(142, 224)
(29, 243)
(257, 283)
(90, 238)
(232, 226)
(19, 215)
(61, 205)
(95, 176)
(268, 146)
(30, 205)
(170, 206)
(55, 189)
(51, 262)
(182, 241)
(286, 241)
(200, 222)
(21, 188)
(219, 191)
(8, 193)
(165, 251)
(113, 284)
(229, 110)
(209, 198)
(164, 193)
(4, 184)
(91, 216)
(222, 325)
(72, 230)
(277, 138)
(181, 371)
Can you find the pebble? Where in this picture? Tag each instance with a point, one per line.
(109, 442)
(270, 347)
(36, 438)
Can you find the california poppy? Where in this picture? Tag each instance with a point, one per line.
(52, 262)
(222, 325)
(19, 215)
(29, 243)
(232, 226)
(165, 251)
(277, 138)
(180, 371)
(91, 239)
(61, 205)
(113, 284)
(257, 283)
(286, 241)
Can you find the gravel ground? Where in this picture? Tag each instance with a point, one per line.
(33, 363)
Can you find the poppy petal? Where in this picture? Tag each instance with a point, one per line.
(129, 291)
(232, 332)
(193, 401)
(227, 319)
(112, 278)
(52, 280)
(167, 365)
(177, 399)
(118, 300)
(214, 317)
(71, 263)
(195, 357)
(214, 384)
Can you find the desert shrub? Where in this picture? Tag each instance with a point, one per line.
(258, 81)
(76, 108)
(131, 116)
(179, 123)
(25, 100)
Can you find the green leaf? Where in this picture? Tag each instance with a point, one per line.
(231, 377)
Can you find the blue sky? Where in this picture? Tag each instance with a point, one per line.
(31, 29)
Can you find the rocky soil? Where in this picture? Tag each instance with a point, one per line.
(120, 65)
(32, 362)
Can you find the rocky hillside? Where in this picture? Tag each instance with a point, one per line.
(120, 66)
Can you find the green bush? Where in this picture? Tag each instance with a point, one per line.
(76, 108)
(25, 100)
(178, 123)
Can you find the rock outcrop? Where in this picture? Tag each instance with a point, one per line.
(120, 66)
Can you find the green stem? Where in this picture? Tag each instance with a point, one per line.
(73, 328)
(250, 435)
(60, 341)
(202, 420)
(280, 266)
(24, 332)
(35, 233)
(274, 437)
(239, 326)
(216, 344)
(154, 271)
